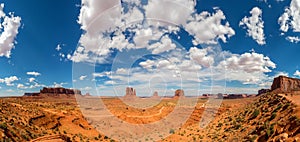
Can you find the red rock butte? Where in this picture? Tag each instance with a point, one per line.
(59, 91)
(283, 84)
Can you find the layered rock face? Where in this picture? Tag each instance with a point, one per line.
(59, 90)
(284, 84)
(130, 92)
(55, 92)
(179, 93)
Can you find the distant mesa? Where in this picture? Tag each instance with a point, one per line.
(179, 93)
(60, 90)
(283, 84)
(55, 92)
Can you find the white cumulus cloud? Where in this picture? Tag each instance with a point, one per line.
(249, 62)
(9, 80)
(208, 28)
(255, 25)
(297, 73)
(293, 39)
(290, 19)
(33, 73)
(10, 29)
(82, 77)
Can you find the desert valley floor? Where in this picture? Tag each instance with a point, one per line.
(269, 117)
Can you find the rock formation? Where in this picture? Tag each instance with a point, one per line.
(179, 93)
(284, 84)
(130, 92)
(59, 90)
(263, 91)
(155, 95)
(55, 92)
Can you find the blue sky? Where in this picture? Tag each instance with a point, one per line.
(105, 46)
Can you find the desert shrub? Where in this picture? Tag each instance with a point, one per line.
(3, 126)
(277, 108)
(273, 116)
(286, 106)
(254, 114)
(253, 138)
(172, 131)
(239, 119)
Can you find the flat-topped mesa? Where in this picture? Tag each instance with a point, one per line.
(283, 84)
(130, 92)
(179, 93)
(60, 90)
(54, 92)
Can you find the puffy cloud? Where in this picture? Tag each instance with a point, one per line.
(290, 19)
(121, 71)
(135, 25)
(33, 73)
(148, 64)
(293, 39)
(99, 15)
(58, 84)
(58, 47)
(163, 46)
(21, 86)
(281, 73)
(31, 79)
(249, 62)
(174, 12)
(9, 28)
(297, 73)
(200, 57)
(255, 25)
(9, 80)
(110, 82)
(208, 28)
(82, 77)
(102, 74)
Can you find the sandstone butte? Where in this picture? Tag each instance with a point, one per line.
(283, 84)
(55, 92)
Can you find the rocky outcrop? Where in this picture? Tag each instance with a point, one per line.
(263, 91)
(130, 92)
(283, 84)
(179, 93)
(54, 92)
(59, 90)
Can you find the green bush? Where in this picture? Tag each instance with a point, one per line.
(273, 116)
(3, 126)
(255, 114)
(172, 131)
